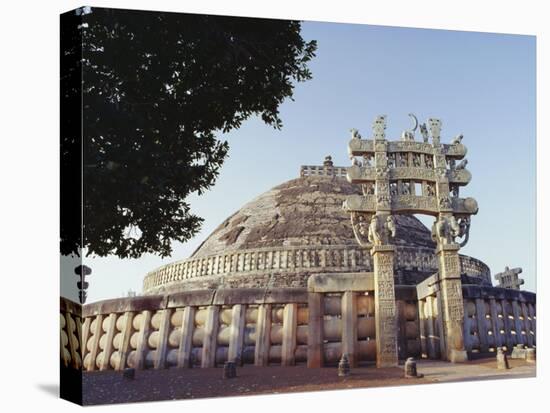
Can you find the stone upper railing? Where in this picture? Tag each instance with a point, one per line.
(473, 266)
(316, 258)
(319, 170)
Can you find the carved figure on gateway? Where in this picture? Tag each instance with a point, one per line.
(445, 229)
(380, 232)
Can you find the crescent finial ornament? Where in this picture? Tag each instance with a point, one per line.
(415, 121)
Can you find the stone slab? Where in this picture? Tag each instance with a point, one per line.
(337, 282)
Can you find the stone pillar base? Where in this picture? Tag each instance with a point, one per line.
(458, 356)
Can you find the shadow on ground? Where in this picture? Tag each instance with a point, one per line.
(51, 389)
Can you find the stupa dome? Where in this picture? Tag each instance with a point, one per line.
(296, 229)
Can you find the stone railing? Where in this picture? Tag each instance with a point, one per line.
(314, 325)
(252, 326)
(305, 258)
(498, 317)
(199, 328)
(493, 317)
(342, 318)
(71, 332)
(475, 268)
(318, 170)
(310, 259)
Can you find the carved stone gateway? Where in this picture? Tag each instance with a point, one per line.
(412, 177)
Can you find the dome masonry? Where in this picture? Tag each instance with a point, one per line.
(296, 229)
(305, 211)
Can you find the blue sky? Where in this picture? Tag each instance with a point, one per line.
(478, 84)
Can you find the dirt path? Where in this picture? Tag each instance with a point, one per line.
(149, 385)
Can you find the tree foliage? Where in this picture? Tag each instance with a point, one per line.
(156, 90)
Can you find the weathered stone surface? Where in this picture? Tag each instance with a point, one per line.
(341, 282)
(120, 305)
(303, 211)
(519, 352)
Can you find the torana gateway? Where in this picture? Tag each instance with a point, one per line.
(322, 266)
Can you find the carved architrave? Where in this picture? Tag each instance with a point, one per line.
(466, 206)
(457, 150)
(383, 202)
(413, 173)
(424, 204)
(392, 163)
(445, 203)
(353, 173)
(410, 146)
(382, 188)
(382, 172)
(405, 188)
(459, 176)
(380, 161)
(360, 203)
(368, 188)
(416, 160)
(407, 203)
(429, 161)
(440, 161)
(360, 147)
(401, 160)
(368, 173)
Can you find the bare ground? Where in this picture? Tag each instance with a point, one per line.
(108, 387)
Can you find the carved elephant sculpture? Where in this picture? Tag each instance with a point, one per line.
(445, 230)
